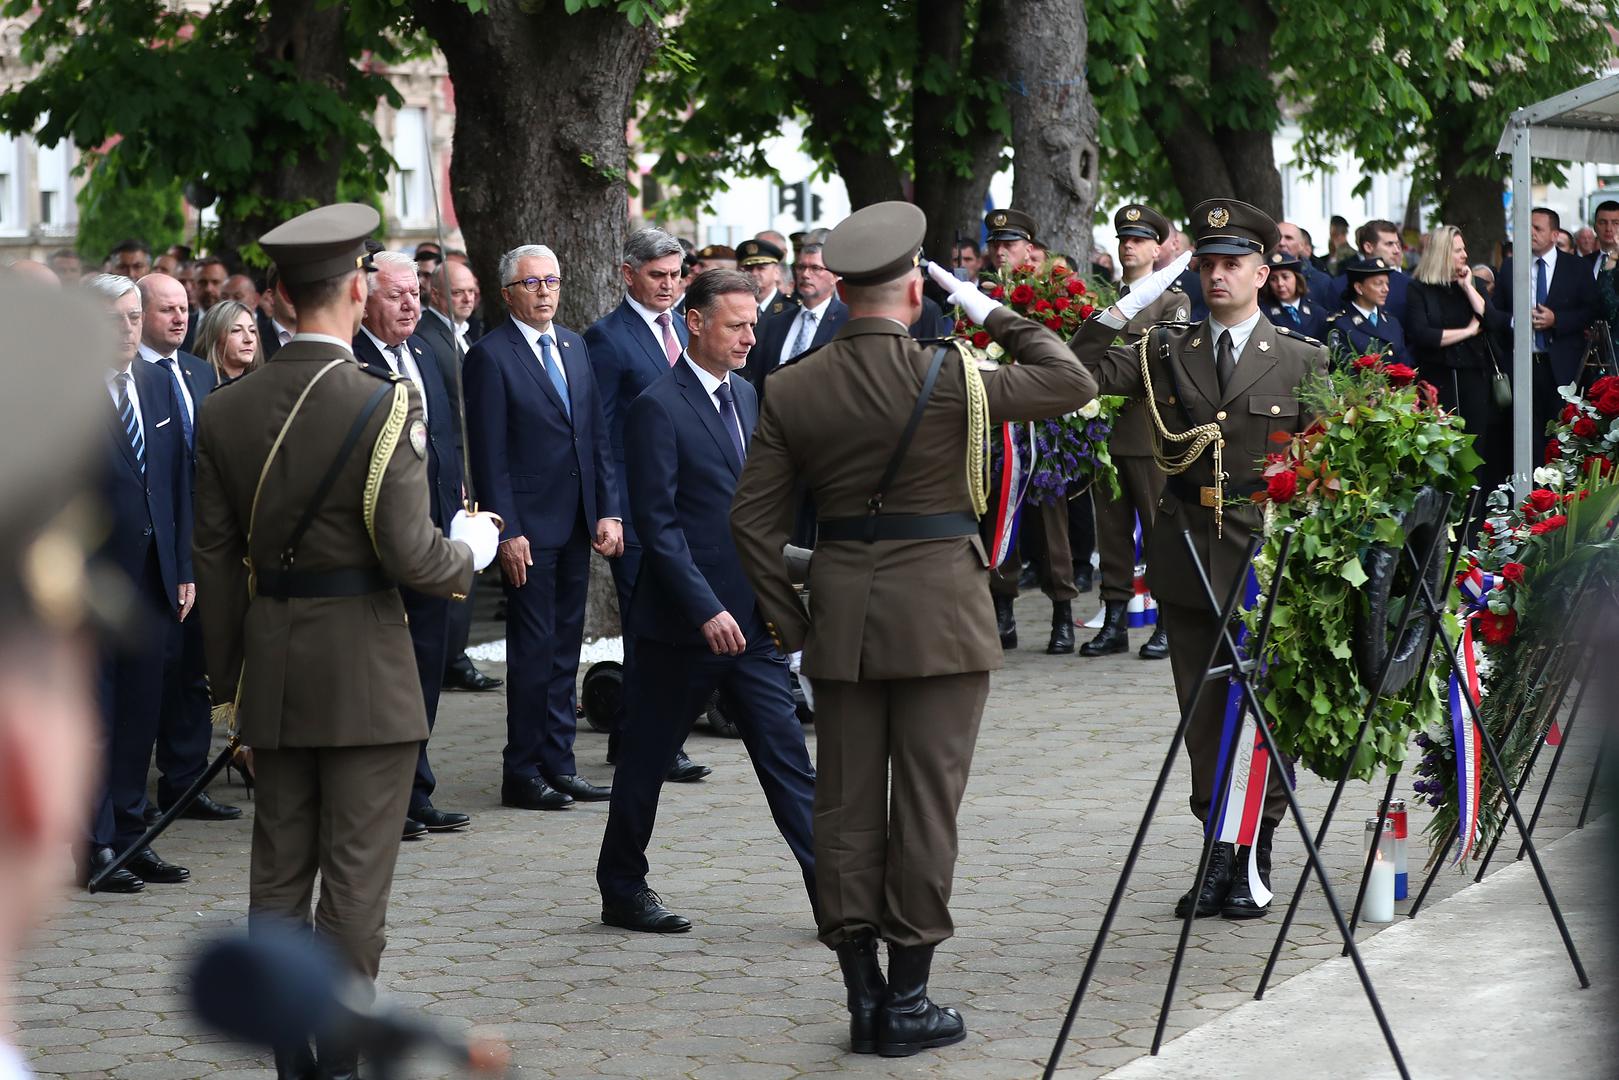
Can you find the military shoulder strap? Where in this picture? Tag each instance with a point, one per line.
(289, 552)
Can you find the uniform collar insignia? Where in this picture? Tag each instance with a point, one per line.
(1264, 346)
(1196, 342)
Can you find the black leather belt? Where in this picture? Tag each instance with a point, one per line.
(873, 527)
(301, 585)
(1194, 495)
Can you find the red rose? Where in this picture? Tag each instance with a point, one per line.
(1540, 500)
(1512, 573)
(1602, 386)
(1584, 428)
(961, 326)
(1570, 411)
(1551, 524)
(1603, 463)
(1400, 374)
(1054, 323)
(1076, 287)
(1062, 303)
(1060, 270)
(1042, 305)
(1282, 486)
(1087, 310)
(998, 293)
(1368, 363)
(1488, 528)
(1553, 448)
(1497, 629)
(981, 340)
(1022, 295)
(1607, 402)
(1081, 291)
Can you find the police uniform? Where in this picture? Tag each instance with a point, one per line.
(1140, 479)
(899, 638)
(1303, 315)
(1044, 527)
(1255, 399)
(307, 636)
(1359, 332)
(764, 253)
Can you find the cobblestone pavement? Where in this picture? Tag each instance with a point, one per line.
(499, 925)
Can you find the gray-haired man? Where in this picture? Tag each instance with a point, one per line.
(631, 347)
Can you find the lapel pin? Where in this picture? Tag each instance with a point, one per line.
(1264, 346)
(1196, 342)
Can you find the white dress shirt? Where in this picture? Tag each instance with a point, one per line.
(768, 300)
(532, 336)
(392, 354)
(134, 396)
(711, 385)
(282, 334)
(457, 330)
(650, 317)
(798, 323)
(1239, 334)
(150, 355)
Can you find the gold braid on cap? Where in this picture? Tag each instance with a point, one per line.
(1200, 437)
(977, 432)
(381, 454)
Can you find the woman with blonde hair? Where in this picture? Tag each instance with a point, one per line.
(228, 338)
(1449, 327)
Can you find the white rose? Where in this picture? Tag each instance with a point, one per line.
(994, 351)
(1549, 476)
(1091, 409)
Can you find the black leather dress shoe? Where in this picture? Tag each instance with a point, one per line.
(687, 771)
(581, 789)
(121, 882)
(148, 867)
(645, 913)
(206, 808)
(437, 820)
(470, 678)
(414, 830)
(533, 794)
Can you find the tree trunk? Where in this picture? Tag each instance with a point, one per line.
(1469, 199)
(540, 154)
(1054, 166)
(1244, 62)
(953, 201)
(1195, 162)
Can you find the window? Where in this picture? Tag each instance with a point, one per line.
(53, 166)
(11, 218)
(413, 203)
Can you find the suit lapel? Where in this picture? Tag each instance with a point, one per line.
(1257, 358)
(1197, 361)
(115, 427)
(577, 368)
(708, 415)
(632, 324)
(527, 359)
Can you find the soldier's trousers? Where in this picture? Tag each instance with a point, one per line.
(335, 810)
(892, 758)
(1141, 482)
(1192, 632)
(1043, 536)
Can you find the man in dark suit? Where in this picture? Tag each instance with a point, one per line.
(1565, 302)
(541, 460)
(632, 347)
(695, 618)
(816, 320)
(147, 498)
(387, 342)
(1295, 243)
(277, 327)
(186, 728)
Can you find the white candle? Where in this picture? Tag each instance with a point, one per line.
(1379, 904)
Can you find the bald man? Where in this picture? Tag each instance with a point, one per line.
(37, 271)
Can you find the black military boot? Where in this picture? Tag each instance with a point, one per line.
(1062, 628)
(294, 1063)
(1115, 633)
(863, 979)
(1157, 646)
(337, 1060)
(1211, 895)
(1240, 903)
(1005, 622)
(909, 1022)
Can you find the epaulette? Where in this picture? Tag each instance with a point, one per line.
(1175, 286)
(378, 372)
(1296, 336)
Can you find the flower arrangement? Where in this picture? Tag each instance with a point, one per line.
(1344, 485)
(1071, 450)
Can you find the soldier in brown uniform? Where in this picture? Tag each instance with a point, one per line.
(311, 508)
(899, 638)
(1141, 230)
(1237, 376)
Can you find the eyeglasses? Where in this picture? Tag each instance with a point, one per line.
(535, 284)
(805, 268)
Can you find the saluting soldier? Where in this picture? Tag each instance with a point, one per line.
(1141, 231)
(1364, 325)
(888, 435)
(311, 507)
(1236, 376)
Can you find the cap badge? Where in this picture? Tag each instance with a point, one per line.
(998, 220)
(1132, 214)
(1219, 217)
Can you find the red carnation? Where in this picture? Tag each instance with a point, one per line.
(1368, 362)
(1512, 573)
(1551, 524)
(1087, 310)
(1401, 374)
(998, 293)
(1076, 287)
(1022, 295)
(1062, 303)
(1054, 323)
(1497, 629)
(1282, 486)
(1584, 428)
(1540, 500)
(981, 340)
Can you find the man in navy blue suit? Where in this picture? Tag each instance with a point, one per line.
(696, 620)
(387, 340)
(185, 730)
(147, 494)
(541, 460)
(631, 347)
(816, 320)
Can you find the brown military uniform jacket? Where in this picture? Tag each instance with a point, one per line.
(1132, 428)
(894, 609)
(1261, 400)
(329, 671)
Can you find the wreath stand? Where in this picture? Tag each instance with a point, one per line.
(1239, 669)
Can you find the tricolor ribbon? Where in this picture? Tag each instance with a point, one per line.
(1475, 587)
(1142, 609)
(1238, 819)
(1017, 469)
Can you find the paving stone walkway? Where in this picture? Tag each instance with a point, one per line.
(499, 925)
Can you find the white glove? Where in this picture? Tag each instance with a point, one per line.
(964, 294)
(1152, 287)
(480, 533)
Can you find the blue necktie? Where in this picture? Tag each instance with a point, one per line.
(1293, 313)
(728, 418)
(551, 369)
(180, 395)
(1540, 300)
(1373, 317)
(132, 425)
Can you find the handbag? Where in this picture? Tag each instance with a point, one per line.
(1500, 385)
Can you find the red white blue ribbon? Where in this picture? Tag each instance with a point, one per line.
(1017, 469)
(1142, 609)
(1238, 819)
(1475, 587)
